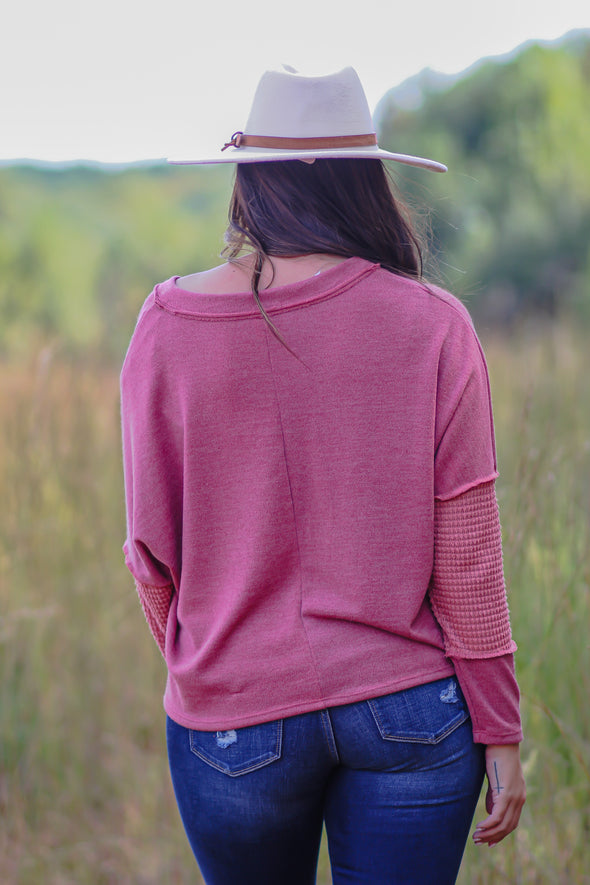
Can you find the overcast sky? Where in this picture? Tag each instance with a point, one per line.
(125, 80)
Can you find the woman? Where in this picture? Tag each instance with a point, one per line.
(312, 523)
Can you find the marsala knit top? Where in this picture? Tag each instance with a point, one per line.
(313, 530)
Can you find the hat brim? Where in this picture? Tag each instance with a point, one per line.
(269, 155)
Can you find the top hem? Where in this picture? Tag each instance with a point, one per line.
(200, 723)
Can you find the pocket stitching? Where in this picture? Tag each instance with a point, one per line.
(269, 756)
(432, 740)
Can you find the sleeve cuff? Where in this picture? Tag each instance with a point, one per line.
(492, 697)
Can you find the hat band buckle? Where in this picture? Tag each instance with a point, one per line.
(329, 142)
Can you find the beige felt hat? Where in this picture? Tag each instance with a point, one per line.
(295, 117)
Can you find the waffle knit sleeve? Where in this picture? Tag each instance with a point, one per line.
(155, 602)
(468, 599)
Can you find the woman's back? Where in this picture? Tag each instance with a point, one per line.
(306, 483)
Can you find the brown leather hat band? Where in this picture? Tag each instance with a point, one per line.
(238, 139)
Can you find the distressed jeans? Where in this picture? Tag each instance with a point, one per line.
(395, 779)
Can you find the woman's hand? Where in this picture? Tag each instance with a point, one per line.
(505, 796)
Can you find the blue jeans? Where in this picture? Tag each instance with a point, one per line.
(395, 779)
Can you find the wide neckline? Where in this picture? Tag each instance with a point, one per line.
(173, 298)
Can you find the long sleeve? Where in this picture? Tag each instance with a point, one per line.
(468, 598)
(152, 460)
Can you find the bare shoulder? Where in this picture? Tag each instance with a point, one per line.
(235, 276)
(226, 278)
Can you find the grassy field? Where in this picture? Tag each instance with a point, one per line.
(85, 797)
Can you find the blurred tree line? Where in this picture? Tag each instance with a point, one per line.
(80, 247)
(511, 219)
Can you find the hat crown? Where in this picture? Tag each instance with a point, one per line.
(291, 105)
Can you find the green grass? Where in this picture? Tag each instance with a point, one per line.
(85, 797)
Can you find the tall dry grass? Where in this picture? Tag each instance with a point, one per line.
(542, 409)
(85, 797)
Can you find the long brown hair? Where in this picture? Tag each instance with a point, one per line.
(338, 206)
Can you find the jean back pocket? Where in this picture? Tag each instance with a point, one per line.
(425, 714)
(240, 750)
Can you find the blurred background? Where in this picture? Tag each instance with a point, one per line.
(84, 789)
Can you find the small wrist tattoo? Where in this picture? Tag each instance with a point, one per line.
(498, 787)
